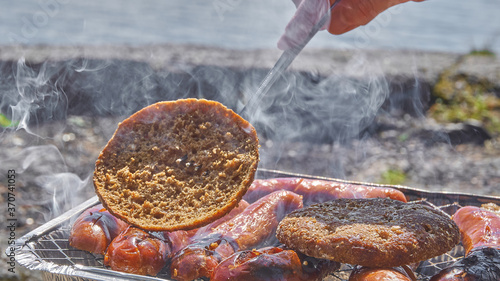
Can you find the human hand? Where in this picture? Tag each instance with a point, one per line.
(347, 15)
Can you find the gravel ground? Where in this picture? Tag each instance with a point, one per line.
(394, 141)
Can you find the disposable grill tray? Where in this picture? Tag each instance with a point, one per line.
(47, 248)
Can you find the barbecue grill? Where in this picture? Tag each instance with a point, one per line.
(47, 248)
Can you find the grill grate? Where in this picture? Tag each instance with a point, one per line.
(48, 248)
(54, 247)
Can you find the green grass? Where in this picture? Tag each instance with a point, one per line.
(459, 98)
(403, 137)
(6, 122)
(393, 177)
(482, 52)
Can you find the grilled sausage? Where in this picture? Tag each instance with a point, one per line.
(138, 252)
(242, 205)
(272, 263)
(480, 231)
(94, 229)
(176, 240)
(479, 227)
(255, 225)
(318, 191)
(180, 238)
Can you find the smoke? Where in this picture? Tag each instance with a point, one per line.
(34, 100)
(63, 191)
(42, 179)
(36, 156)
(327, 111)
(308, 107)
(300, 109)
(300, 106)
(39, 100)
(36, 93)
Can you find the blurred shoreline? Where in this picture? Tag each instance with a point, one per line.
(171, 56)
(174, 57)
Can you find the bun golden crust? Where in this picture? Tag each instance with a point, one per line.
(369, 232)
(177, 165)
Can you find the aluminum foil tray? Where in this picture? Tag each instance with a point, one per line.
(47, 248)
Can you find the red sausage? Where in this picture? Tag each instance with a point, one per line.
(318, 191)
(181, 238)
(478, 227)
(242, 205)
(480, 231)
(248, 229)
(272, 263)
(176, 240)
(94, 229)
(138, 252)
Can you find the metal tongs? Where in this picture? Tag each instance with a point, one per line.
(283, 62)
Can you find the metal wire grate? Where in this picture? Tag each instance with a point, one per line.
(48, 248)
(54, 247)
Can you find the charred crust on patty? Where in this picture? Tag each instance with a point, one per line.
(369, 232)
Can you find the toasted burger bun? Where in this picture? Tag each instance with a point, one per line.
(177, 165)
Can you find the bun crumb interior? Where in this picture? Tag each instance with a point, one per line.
(177, 165)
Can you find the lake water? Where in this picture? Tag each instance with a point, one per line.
(436, 25)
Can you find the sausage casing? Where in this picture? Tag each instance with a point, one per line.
(94, 229)
(318, 191)
(138, 252)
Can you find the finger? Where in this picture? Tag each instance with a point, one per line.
(348, 15)
(307, 15)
